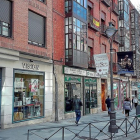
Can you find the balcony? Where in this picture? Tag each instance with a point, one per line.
(103, 29)
(117, 38)
(121, 15)
(93, 23)
(115, 9)
(122, 41)
(106, 2)
(91, 63)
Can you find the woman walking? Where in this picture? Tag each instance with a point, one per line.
(127, 106)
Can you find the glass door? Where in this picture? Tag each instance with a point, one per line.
(87, 99)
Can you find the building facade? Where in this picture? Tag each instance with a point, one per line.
(26, 66)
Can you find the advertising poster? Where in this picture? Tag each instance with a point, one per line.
(101, 63)
(125, 62)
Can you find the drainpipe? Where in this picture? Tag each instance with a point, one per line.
(56, 84)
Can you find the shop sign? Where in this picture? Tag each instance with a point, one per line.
(30, 66)
(101, 63)
(72, 79)
(74, 71)
(90, 80)
(92, 74)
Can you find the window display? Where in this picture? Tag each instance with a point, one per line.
(72, 88)
(28, 95)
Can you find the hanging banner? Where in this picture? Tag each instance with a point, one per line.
(125, 62)
(101, 63)
(96, 23)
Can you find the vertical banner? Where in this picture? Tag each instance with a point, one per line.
(125, 62)
(101, 63)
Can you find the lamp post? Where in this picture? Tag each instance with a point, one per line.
(110, 32)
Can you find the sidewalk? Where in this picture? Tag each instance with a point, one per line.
(20, 133)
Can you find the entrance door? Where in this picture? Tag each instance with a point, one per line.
(0, 93)
(103, 97)
(87, 99)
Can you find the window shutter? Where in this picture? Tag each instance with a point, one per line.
(36, 28)
(5, 11)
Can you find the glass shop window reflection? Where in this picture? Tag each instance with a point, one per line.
(71, 89)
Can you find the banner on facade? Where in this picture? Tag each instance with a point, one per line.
(125, 62)
(96, 23)
(101, 63)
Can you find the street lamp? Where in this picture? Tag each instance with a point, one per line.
(110, 32)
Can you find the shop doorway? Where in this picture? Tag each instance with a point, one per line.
(103, 97)
(87, 99)
(0, 93)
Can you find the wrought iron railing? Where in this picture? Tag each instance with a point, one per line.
(91, 23)
(91, 131)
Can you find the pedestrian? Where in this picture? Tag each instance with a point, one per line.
(135, 100)
(77, 107)
(126, 107)
(107, 101)
(132, 102)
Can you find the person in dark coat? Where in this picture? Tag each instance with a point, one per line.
(107, 101)
(77, 107)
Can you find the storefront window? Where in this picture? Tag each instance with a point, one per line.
(72, 88)
(90, 94)
(116, 94)
(28, 95)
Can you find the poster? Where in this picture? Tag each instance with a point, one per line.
(125, 62)
(101, 63)
(34, 85)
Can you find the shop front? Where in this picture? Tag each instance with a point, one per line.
(26, 90)
(84, 84)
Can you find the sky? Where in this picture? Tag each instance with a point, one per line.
(135, 3)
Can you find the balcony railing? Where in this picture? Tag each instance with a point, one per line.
(93, 23)
(121, 15)
(91, 63)
(106, 2)
(117, 38)
(103, 29)
(115, 9)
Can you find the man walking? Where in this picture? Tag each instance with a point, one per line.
(107, 101)
(135, 101)
(77, 107)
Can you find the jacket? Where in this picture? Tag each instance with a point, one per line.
(107, 101)
(127, 105)
(77, 104)
(135, 100)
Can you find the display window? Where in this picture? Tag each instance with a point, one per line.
(28, 95)
(90, 94)
(72, 88)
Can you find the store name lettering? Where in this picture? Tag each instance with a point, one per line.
(30, 66)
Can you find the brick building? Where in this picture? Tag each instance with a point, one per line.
(26, 67)
(85, 23)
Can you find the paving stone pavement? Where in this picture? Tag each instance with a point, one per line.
(20, 133)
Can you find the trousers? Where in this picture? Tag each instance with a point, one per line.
(78, 115)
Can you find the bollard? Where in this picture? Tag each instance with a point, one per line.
(126, 125)
(62, 133)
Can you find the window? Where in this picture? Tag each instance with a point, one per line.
(28, 95)
(42, 0)
(114, 55)
(72, 88)
(5, 18)
(36, 29)
(82, 2)
(80, 35)
(103, 48)
(79, 10)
